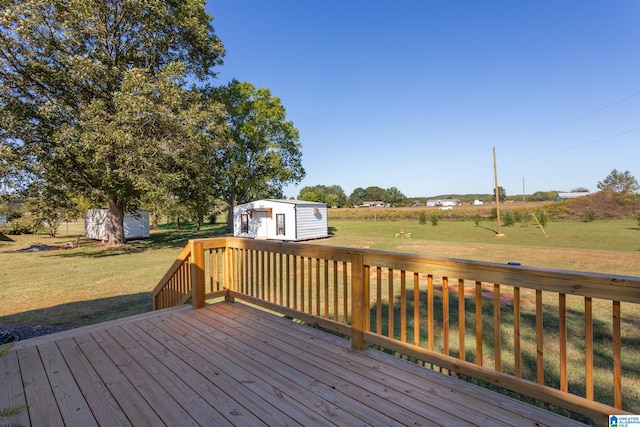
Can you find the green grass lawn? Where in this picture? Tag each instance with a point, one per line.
(73, 287)
(611, 247)
(89, 284)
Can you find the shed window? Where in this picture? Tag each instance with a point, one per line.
(244, 223)
(280, 224)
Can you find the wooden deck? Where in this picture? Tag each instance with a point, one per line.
(229, 364)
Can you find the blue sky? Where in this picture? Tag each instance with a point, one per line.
(415, 94)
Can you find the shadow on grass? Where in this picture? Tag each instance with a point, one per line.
(161, 239)
(5, 238)
(81, 313)
(487, 228)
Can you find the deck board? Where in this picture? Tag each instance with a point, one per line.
(229, 364)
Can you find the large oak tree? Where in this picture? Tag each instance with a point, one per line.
(94, 92)
(260, 152)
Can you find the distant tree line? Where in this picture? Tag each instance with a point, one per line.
(334, 195)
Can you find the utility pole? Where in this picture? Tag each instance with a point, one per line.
(495, 175)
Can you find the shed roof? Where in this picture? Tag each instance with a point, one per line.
(291, 201)
(573, 195)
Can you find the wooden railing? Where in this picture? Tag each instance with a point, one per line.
(566, 338)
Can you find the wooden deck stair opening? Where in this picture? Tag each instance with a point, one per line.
(518, 328)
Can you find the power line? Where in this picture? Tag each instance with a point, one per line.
(575, 147)
(574, 120)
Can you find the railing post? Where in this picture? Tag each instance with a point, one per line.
(228, 280)
(197, 274)
(357, 302)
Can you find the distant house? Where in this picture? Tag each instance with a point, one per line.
(442, 202)
(565, 196)
(478, 202)
(291, 220)
(376, 204)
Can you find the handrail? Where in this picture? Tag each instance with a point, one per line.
(517, 327)
(175, 285)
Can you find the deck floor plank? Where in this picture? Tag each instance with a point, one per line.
(103, 405)
(185, 384)
(266, 402)
(206, 377)
(334, 386)
(229, 364)
(147, 385)
(11, 390)
(357, 374)
(238, 401)
(137, 410)
(41, 402)
(269, 371)
(70, 400)
(411, 382)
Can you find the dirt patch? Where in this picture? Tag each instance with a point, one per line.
(38, 248)
(42, 247)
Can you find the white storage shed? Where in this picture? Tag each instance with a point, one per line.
(96, 224)
(291, 220)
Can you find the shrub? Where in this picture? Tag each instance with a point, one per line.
(590, 215)
(477, 220)
(508, 219)
(517, 216)
(542, 217)
(23, 225)
(638, 218)
(434, 219)
(422, 218)
(494, 214)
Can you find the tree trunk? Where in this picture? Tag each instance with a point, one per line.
(229, 217)
(116, 223)
(154, 223)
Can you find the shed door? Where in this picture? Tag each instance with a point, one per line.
(261, 220)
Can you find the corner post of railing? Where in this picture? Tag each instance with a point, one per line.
(358, 307)
(197, 274)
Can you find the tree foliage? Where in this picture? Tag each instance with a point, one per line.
(51, 204)
(357, 197)
(259, 152)
(542, 196)
(190, 180)
(93, 93)
(619, 182)
(332, 195)
(393, 196)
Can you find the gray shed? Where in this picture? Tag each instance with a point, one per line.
(291, 220)
(96, 224)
